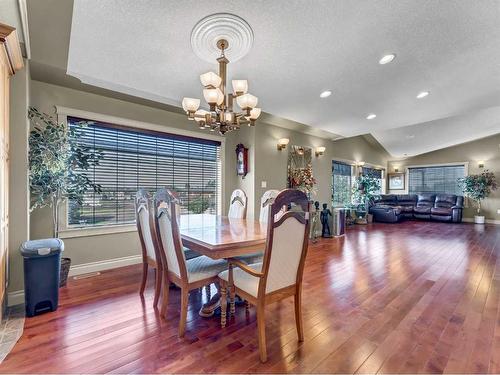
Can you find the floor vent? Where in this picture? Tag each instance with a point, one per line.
(86, 275)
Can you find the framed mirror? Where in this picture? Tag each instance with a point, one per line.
(300, 168)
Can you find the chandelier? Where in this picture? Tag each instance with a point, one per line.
(222, 116)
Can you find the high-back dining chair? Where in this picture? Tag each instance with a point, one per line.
(186, 274)
(265, 202)
(149, 247)
(238, 205)
(280, 274)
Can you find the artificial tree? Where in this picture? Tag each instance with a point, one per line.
(58, 164)
(478, 186)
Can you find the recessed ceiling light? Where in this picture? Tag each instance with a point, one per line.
(422, 94)
(387, 59)
(371, 116)
(325, 94)
(410, 136)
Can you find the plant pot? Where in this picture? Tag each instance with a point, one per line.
(63, 274)
(479, 219)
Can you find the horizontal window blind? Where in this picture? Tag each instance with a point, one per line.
(135, 159)
(377, 173)
(438, 179)
(341, 169)
(341, 186)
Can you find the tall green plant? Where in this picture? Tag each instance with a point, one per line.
(57, 164)
(364, 189)
(478, 186)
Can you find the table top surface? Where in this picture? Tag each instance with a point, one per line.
(212, 233)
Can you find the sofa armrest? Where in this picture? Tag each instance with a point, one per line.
(456, 214)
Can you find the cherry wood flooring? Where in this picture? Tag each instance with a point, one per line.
(413, 297)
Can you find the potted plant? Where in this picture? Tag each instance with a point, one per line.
(477, 187)
(57, 165)
(364, 189)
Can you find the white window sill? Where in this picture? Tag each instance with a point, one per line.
(96, 231)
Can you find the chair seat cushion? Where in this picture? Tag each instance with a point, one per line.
(406, 208)
(441, 211)
(190, 254)
(252, 258)
(422, 210)
(203, 267)
(243, 280)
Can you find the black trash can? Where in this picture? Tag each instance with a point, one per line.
(42, 264)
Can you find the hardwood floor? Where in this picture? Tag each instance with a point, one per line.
(405, 298)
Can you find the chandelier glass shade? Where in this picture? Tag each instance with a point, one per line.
(222, 117)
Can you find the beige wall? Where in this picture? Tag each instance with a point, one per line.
(92, 248)
(486, 149)
(18, 177)
(265, 164)
(270, 165)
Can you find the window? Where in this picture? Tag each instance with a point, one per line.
(436, 179)
(136, 158)
(377, 173)
(342, 174)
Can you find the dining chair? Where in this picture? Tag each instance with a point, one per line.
(238, 205)
(186, 274)
(280, 274)
(150, 256)
(265, 201)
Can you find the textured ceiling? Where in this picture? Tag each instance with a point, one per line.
(450, 48)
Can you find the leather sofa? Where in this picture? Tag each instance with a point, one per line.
(391, 208)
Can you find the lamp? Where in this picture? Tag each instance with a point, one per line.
(222, 117)
(480, 164)
(190, 105)
(213, 96)
(200, 117)
(320, 150)
(282, 143)
(247, 101)
(210, 80)
(240, 86)
(254, 115)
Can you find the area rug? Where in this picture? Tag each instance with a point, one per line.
(11, 329)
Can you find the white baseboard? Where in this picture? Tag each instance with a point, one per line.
(488, 221)
(17, 297)
(80, 269)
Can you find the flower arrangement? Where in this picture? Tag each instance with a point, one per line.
(302, 178)
(478, 186)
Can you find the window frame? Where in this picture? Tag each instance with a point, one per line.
(352, 177)
(67, 231)
(356, 170)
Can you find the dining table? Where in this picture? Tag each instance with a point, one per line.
(221, 237)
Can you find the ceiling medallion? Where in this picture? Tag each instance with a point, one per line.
(221, 116)
(209, 30)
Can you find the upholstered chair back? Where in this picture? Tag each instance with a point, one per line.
(287, 241)
(166, 217)
(238, 205)
(265, 203)
(142, 219)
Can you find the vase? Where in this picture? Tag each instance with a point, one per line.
(479, 219)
